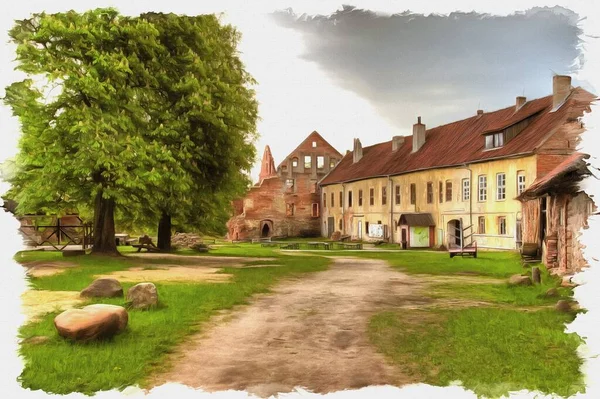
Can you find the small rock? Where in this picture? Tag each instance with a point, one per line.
(551, 293)
(536, 275)
(336, 235)
(103, 287)
(142, 295)
(91, 322)
(518, 279)
(563, 306)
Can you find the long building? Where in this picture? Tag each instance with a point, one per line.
(457, 183)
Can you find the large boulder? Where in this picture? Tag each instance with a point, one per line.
(104, 288)
(91, 322)
(518, 279)
(142, 296)
(336, 235)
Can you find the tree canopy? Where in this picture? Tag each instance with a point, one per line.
(153, 115)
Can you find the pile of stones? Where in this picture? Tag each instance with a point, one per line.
(101, 321)
(185, 240)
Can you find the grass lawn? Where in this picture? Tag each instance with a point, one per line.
(61, 367)
(492, 351)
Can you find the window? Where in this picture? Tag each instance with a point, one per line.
(413, 194)
(359, 197)
(397, 195)
(314, 144)
(320, 162)
(289, 184)
(340, 224)
(284, 167)
(371, 196)
(331, 163)
(500, 186)
(466, 189)
(520, 182)
(367, 227)
(341, 199)
(482, 189)
(332, 202)
(315, 210)
(494, 140)
(429, 192)
(448, 191)
(307, 161)
(289, 209)
(349, 199)
(294, 162)
(481, 229)
(441, 192)
(502, 225)
(324, 200)
(383, 195)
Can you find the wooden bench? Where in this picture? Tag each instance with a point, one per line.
(269, 244)
(470, 250)
(148, 248)
(349, 245)
(292, 245)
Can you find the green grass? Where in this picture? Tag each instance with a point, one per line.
(492, 351)
(61, 367)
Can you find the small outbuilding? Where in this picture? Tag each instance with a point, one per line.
(555, 210)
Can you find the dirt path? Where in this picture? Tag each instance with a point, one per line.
(310, 332)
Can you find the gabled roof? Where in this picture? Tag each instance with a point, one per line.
(314, 136)
(565, 176)
(461, 142)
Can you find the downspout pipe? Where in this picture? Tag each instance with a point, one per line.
(391, 199)
(343, 208)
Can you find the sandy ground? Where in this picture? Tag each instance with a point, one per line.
(310, 332)
(169, 273)
(46, 268)
(36, 303)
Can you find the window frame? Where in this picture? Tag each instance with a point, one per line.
(360, 197)
(441, 192)
(320, 161)
(502, 226)
(307, 165)
(371, 196)
(521, 185)
(430, 192)
(466, 189)
(384, 195)
(481, 230)
(482, 191)
(398, 196)
(349, 198)
(294, 162)
(413, 193)
(494, 140)
(448, 190)
(500, 188)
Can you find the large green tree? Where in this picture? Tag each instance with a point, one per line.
(115, 115)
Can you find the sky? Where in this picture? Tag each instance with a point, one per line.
(350, 73)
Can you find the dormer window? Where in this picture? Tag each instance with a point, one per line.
(494, 140)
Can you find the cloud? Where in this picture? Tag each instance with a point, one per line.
(442, 67)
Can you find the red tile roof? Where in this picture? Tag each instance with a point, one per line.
(574, 163)
(461, 142)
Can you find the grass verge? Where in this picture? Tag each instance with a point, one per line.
(59, 366)
(492, 351)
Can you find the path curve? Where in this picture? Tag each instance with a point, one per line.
(310, 332)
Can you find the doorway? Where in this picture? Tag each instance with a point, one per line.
(454, 229)
(360, 229)
(330, 226)
(266, 228)
(404, 239)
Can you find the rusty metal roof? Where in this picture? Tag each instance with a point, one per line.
(566, 174)
(416, 219)
(461, 142)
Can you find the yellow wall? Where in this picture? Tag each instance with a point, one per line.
(443, 212)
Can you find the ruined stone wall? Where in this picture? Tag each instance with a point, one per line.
(579, 209)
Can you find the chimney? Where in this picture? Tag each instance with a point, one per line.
(418, 138)
(479, 112)
(397, 142)
(561, 88)
(357, 153)
(520, 102)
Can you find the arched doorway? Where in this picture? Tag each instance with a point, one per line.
(266, 228)
(454, 232)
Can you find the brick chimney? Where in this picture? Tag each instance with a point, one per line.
(520, 102)
(357, 153)
(561, 88)
(418, 138)
(397, 142)
(267, 167)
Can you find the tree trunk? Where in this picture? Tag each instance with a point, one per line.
(164, 232)
(104, 227)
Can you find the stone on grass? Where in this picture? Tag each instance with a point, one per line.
(518, 279)
(536, 275)
(552, 292)
(564, 306)
(104, 288)
(91, 322)
(336, 235)
(142, 296)
(36, 340)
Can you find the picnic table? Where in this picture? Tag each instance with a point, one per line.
(291, 245)
(318, 244)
